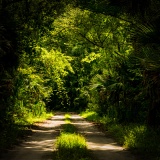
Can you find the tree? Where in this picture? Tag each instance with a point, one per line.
(144, 19)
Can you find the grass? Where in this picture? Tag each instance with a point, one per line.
(69, 128)
(32, 120)
(91, 116)
(138, 138)
(70, 145)
(67, 116)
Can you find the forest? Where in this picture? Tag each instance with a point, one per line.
(97, 56)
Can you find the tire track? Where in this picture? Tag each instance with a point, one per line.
(101, 147)
(40, 145)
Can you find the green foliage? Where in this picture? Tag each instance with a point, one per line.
(32, 119)
(143, 36)
(91, 116)
(69, 128)
(96, 38)
(71, 146)
(35, 83)
(24, 89)
(118, 132)
(142, 138)
(67, 118)
(28, 85)
(31, 91)
(103, 56)
(135, 137)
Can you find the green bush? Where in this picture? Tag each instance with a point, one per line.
(118, 132)
(142, 139)
(138, 138)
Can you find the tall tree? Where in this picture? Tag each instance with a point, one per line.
(143, 17)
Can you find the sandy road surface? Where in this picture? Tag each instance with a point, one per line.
(101, 147)
(40, 145)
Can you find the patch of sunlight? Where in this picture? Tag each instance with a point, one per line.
(101, 146)
(32, 119)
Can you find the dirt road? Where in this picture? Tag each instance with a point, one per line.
(101, 147)
(40, 145)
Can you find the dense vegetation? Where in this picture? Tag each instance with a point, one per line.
(77, 55)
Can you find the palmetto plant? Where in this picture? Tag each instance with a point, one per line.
(109, 90)
(149, 56)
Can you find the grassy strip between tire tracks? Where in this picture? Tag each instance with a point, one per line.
(70, 144)
(143, 141)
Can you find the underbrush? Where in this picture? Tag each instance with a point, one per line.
(138, 138)
(70, 144)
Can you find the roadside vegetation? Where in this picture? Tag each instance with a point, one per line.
(70, 144)
(138, 138)
(76, 55)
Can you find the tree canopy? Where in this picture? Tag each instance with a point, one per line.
(73, 55)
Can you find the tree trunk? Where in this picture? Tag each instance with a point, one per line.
(154, 115)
